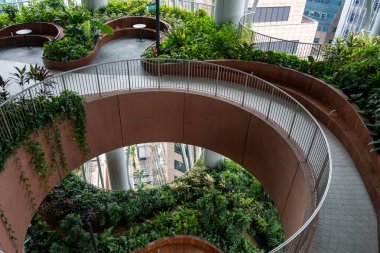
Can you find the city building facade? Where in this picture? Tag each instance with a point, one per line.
(326, 13)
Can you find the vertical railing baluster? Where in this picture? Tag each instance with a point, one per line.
(188, 75)
(312, 142)
(97, 79)
(270, 102)
(129, 76)
(217, 81)
(245, 89)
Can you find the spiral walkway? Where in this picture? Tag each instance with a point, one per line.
(347, 221)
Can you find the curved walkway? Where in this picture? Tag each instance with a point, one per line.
(347, 220)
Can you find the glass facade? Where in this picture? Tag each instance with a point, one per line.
(323, 11)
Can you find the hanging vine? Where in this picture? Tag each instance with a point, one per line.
(25, 180)
(39, 113)
(9, 229)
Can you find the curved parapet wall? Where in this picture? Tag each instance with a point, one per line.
(334, 110)
(41, 33)
(179, 244)
(122, 27)
(232, 113)
(268, 43)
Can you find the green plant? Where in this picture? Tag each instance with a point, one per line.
(11, 10)
(66, 49)
(38, 161)
(220, 205)
(20, 77)
(4, 94)
(68, 105)
(4, 20)
(9, 229)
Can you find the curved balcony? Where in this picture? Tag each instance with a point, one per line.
(268, 43)
(201, 103)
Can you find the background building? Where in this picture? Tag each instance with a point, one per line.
(358, 16)
(152, 164)
(326, 13)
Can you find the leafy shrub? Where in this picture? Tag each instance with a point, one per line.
(11, 10)
(4, 20)
(67, 49)
(223, 203)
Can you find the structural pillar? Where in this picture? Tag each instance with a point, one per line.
(229, 11)
(96, 4)
(211, 158)
(376, 25)
(117, 169)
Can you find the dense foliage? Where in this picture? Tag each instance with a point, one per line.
(218, 205)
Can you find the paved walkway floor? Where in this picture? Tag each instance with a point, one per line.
(120, 49)
(347, 221)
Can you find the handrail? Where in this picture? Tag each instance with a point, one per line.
(249, 91)
(268, 43)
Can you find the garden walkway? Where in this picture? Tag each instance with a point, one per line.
(347, 221)
(125, 48)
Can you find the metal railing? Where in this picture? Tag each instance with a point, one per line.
(191, 6)
(268, 102)
(268, 43)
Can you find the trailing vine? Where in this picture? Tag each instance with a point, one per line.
(58, 142)
(38, 161)
(25, 180)
(49, 137)
(37, 114)
(8, 227)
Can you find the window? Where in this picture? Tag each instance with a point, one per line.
(316, 40)
(334, 29)
(179, 166)
(323, 16)
(177, 148)
(306, 13)
(271, 14)
(375, 6)
(352, 17)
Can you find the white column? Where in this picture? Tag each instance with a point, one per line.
(229, 11)
(117, 169)
(191, 155)
(96, 4)
(376, 25)
(211, 158)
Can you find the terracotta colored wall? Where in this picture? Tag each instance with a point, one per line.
(180, 244)
(147, 116)
(320, 99)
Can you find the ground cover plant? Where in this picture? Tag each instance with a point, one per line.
(217, 205)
